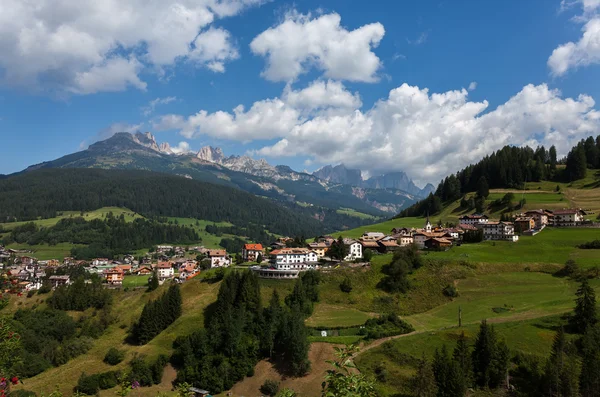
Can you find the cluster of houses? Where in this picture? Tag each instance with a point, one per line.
(28, 273)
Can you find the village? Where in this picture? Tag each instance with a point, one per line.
(284, 258)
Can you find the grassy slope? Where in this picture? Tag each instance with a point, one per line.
(584, 193)
(127, 307)
(351, 212)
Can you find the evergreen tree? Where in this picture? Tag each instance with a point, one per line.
(490, 358)
(462, 356)
(153, 282)
(585, 314)
(589, 381)
(294, 342)
(561, 376)
(272, 323)
(483, 189)
(576, 163)
(423, 384)
(338, 249)
(552, 161)
(592, 153)
(448, 376)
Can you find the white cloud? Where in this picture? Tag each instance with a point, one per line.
(149, 109)
(428, 135)
(472, 85)
(301, 43)
(213, 48)
(182, 147)
(422, 39)
(573, 55)
(66, 46)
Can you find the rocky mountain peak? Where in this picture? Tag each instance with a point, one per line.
(211, 154)
(147, 140)
(165, 148)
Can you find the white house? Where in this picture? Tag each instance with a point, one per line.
(475, 219)
(165, 271)
(405, 240)
(292, 256)
(568, 217)
(372, 236)
(354, 249)
(219, 258)
(100, 261)
(499, 231)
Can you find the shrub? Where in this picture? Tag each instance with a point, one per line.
(595, 244)
(451, 291)
(571, 269)
(270, 388)
(114, 356)
(91, 384)
(346, 285)
(22, 393)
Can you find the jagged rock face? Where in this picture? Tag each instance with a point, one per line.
(165, 148)
(340, 174)
(211, 154)
(147, 140)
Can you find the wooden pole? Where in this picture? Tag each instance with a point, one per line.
(459, 316)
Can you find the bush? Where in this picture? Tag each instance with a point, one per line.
(22, 393)
(270, 388)
(346, 285)
(114, 356)
(595, 244)
(571, 269)
(386, 325)
(451, 291)
(91, 384)
(31, 293)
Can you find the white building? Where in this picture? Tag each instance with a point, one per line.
(354, 249)
(568, 217)
(372, 236)
(165, 271)
(219, 258)
(499, 231)
(100, 262)
(404, 240)
(475, 219)
(287, 257)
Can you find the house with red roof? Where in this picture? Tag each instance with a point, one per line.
(250, 252)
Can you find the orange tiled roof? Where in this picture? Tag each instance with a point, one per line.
(253, 247)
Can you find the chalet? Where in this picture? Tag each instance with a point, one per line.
(114, 276)
(454, 233)
(404, 241)
(354, 249)
(568, 217)
(369, 244)
(58, 281)
(420, 237)
(250, 252)
(524, 223)
(100, 261)
(143, 271)
(291, 256)
(27, 260)
(164, 248)
(125, 268)
(219, 258)
(540, 217)
(499, 231)
(402, 231)
(320, 248)
(387, 245)
(372, 236)
(164, 271)
(438, 243)
(474, 219)
(466, 228)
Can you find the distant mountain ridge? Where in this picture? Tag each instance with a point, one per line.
(392, 180)
(141, 151)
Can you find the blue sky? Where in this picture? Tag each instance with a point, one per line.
(420, 86)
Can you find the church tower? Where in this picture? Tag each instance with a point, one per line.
(428, 225)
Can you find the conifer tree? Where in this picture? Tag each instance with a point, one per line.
(462, 356)
(589, 381)
(423, 383)
(483, 189)
(561, 375)
(153, 282)
(585, 314)
(490, 358)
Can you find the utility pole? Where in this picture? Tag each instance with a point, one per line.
(459, 316)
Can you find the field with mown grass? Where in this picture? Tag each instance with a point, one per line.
(354, 213)
(133, 281)
(399, 356)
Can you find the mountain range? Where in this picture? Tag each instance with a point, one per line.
(330, 187)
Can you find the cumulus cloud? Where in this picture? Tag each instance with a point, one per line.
(301, 43)
(182, 148)
(582, 53)
(92, 46)
(428, 135)
(149, 109)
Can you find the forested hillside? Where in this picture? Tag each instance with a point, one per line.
(511, 167)
(45, 192)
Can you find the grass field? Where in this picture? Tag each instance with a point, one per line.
(352, 212)
(45, 251)
(135, 281)
(399, 357)
(88, 216)
(208, 240)
(552, 245)
(326, 315)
